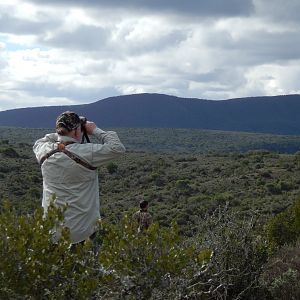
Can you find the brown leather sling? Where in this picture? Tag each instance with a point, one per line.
(61, 147)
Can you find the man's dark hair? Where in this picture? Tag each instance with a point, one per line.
(143, 204)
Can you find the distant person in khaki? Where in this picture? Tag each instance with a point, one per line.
(69, 169)
(143, 217)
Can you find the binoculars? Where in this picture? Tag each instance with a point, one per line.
(83, 121)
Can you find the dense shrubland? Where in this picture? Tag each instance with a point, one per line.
(229, 258)
(172, 140)
(227, 226)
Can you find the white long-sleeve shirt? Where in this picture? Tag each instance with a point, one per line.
(72, 185)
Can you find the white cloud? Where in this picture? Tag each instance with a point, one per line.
(64, 52)
(275, 79)
(278, 11)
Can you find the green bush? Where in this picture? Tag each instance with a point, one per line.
(239, 254)
(284, 228)
(33, 267)
(129, 264)
(112, 167)
(183, 186)
(273, 189)
(232, 256)
(145, 261)
(225, 259)
(10, 152)
(281, 276)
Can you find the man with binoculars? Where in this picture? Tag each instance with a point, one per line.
(69, 169)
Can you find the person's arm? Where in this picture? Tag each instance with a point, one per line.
(110, 146)
(149, 219)
(41, 144)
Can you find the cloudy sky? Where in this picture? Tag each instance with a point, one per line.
(58, 52)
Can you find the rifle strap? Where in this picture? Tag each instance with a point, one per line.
(76, 158)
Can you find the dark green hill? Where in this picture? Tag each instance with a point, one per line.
(277, 115)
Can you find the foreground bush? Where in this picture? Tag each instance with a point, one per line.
(145, 262)
(281, 275)
(284, 228)
(239, 256)
(129, 264)
(224, 261)
(33, 267)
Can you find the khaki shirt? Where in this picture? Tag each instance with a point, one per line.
(143, 219)
(72, 185)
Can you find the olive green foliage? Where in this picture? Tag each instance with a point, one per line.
(154, 264)
(172, 140)
(9, 152)
(284, 228)
(129, 263)
(185, 187)
(34, 267)
(178, 186)
(223, 261)
(20, 177)
(239, 254)
(144, 261)
(281, 275)
(112, 167)
(212, 253)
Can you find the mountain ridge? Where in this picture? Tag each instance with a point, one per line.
(266, 114)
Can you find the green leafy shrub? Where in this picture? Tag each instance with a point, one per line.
(273, 189)
(183, 187)
(129, 264)
(281, 276)
(156, 178)
(4, 168)
(145, 261)
(112, 167)
(284, 228)
(239, 255)
(225, 260)
(33, 267)
(10, 152)
(232, 257)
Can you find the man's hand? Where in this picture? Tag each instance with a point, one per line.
(89, 127)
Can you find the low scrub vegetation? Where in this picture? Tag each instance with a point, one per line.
(226, 226)
(227, 259)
